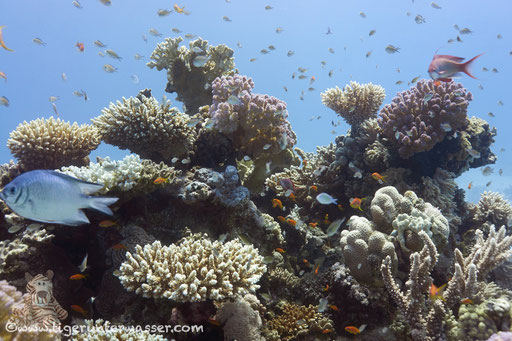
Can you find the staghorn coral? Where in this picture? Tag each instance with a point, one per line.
(194, 270)
(52, 143)
(297, 321)
(192, 83)
(422, 116)
(240, 321)
(255, 123)
(100, 330)
(494, 208)
(128, 175)
(356, 103)
(145, 127)
(364, 249)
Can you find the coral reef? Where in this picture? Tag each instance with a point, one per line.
(145, 127)
(8, 171)
(364, 249)
(240, 321)
(493, 208)
(419, 118)
(194, 270)
(191, 71)
(99, 330)
(355, 103)
(52, 143)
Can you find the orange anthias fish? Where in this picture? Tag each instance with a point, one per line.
(291, 222)
(160, 180)
(326, 331)
(77, 277)
(333, 307)
(316, 269)
(436, 293)
(80, 46)
(277, 203)
(2, 40)
(381, 179)
(119, 247)
(467, 301)
(352, 330)
(313, 224)
(312, 80)
(280, 250)
(356, 203)
(326, 287)
(313, 188)
(178, 9)
(281, 218)
(444, 67)
(79, 309)
(292, 196)
(107, 223)
(470, 185)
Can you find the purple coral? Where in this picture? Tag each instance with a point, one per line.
(422, 116)
(255, 123)
(501, 336)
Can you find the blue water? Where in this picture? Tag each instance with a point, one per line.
(34, 72)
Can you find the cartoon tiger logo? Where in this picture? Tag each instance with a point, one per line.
(39, 308)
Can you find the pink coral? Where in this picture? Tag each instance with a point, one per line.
(422, 116)
(255, 123)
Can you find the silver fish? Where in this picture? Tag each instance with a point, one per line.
(199, 61)
(99, 44)
(155, 33)
(51, 197)
(176, 30)
(38, 41)
(112, 54)
(227, 19)
(138, 56)
(391, 49)
(419, 19)
(109, 68)
(83, 265)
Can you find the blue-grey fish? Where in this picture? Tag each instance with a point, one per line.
(51, 197)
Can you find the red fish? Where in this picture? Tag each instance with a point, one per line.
(444, 67)
(79, 309)
(77, 277)
(80, 46)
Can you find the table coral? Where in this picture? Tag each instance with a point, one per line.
(364, 249)
(145, 127)
(52, 143)
(424, 115)
(194, 270)
(356, 102)
(192, 83)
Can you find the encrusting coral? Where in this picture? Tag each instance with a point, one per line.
(145, 127)
(52, 143)
(191, 71)
(356, 102)
(194, 270)
(422, 116)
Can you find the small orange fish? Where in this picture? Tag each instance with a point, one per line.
(79, 309)
(312, 80)
(77, 277)
(352, 330)
(356, 203)
(340, 207)
(119, 247)
(470, 185)
(381, 179)
(436, 293)
(333, 307)
(326, 287)
(467, 301)
(160, 180)
(316, 269)
(280, 250)
(178, 9)
(214, 322)
(292, 196)
(281, 219)
(313, 188)
(313, 224)
(305, 261)
(304, 163)
(277, 203)
(326, 331)
(2, 74)
(2, 40)
(291, 222)
(107, 223)
(437, 83)
(80, 46)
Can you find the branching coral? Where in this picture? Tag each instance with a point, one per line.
(141, 125)
(494, 208)
(356, 103)
(51, 144)
(297, 321)
(99, 330)
(419, 118)
(364, 249)
(255, 123)
(194, 270)
(188, 77)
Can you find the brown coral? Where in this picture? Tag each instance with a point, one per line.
(52, 143)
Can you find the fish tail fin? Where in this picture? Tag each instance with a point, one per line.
(101, 204)
(465, 66)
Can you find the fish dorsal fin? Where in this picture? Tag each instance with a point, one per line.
(85, 186)
(447, 56)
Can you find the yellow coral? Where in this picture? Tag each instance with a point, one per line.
(52, 143)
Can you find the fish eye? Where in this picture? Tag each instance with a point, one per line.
(12, 190)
